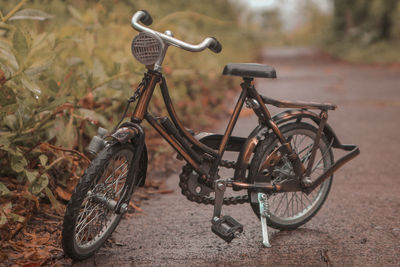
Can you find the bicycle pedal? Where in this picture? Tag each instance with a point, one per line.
(227, 228)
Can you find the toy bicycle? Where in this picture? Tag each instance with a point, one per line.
(285, 165)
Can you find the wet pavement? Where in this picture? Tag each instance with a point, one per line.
(359, 224)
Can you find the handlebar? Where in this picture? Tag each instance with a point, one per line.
(144, 17)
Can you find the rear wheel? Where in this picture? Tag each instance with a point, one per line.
(90, 217)
(290, 210)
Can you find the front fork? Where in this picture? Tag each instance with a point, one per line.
(138, 141)
(127, 132)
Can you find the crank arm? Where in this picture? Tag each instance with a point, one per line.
(220, 187)
(225, 227)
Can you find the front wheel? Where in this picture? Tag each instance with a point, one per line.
(289, 210)
(90, 218)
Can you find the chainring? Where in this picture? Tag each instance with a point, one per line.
(189, 177)
(195, 186)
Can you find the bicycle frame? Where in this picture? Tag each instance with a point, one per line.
(186, 145)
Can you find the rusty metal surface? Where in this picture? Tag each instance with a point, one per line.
(359, 224)
(179, 125)
(144, 100)
(298, 104)
(125, 134)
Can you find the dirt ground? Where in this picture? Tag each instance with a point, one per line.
(359, 224)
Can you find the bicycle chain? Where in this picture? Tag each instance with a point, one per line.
(183, 184)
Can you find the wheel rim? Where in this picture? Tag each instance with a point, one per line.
(293, 207)
(96, 217)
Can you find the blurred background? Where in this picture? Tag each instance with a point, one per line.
(66, 69)
(356, 31)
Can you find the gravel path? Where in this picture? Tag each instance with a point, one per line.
(359, 223)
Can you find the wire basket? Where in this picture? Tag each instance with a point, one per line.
(147, 48)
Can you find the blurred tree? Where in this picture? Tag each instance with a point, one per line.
(366, 20)
(271, 20)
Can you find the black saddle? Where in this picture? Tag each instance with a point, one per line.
(249, 70)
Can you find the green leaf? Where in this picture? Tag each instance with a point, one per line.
(115, 84)
(5, 210)
(55, 103)
(32, 14)
(7, 57)
(31, 175)
(53, 86)
(17, 218)
(6, 26)
(39, 184)
(52, 198)
(43, 159)
(4, 143)
(11, 121)
(4, 191)
(93, 115)
(7, 96)
(20, 45)
(18, 163)
(36, 70)
(71, 61)
(67, 135)
(30, 85)
(3, 220)
(75, 13)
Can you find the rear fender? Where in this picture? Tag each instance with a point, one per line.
(261, 132)
(290, 115)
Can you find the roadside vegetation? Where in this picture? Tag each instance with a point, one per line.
(66, 69)
(361, 31)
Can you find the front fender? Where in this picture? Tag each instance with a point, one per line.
(125, 134)
(133, 132)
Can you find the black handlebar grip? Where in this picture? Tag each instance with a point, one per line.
(147, 19)
(215, 46)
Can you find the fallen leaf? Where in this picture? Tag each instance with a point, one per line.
(135, 207)
(63, 194)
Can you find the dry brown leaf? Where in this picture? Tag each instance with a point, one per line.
(31, 264)
(135, 207)
(63, 194)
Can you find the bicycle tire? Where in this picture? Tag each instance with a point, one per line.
(92, 183)
(277, 219)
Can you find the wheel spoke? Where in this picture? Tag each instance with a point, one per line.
(291, 200)
(277, 207)
(83, 227)
(94, 217)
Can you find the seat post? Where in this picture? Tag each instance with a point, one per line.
(247, 80)
(229, 129)
(246, 84)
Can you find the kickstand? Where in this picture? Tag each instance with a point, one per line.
(264, 213)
